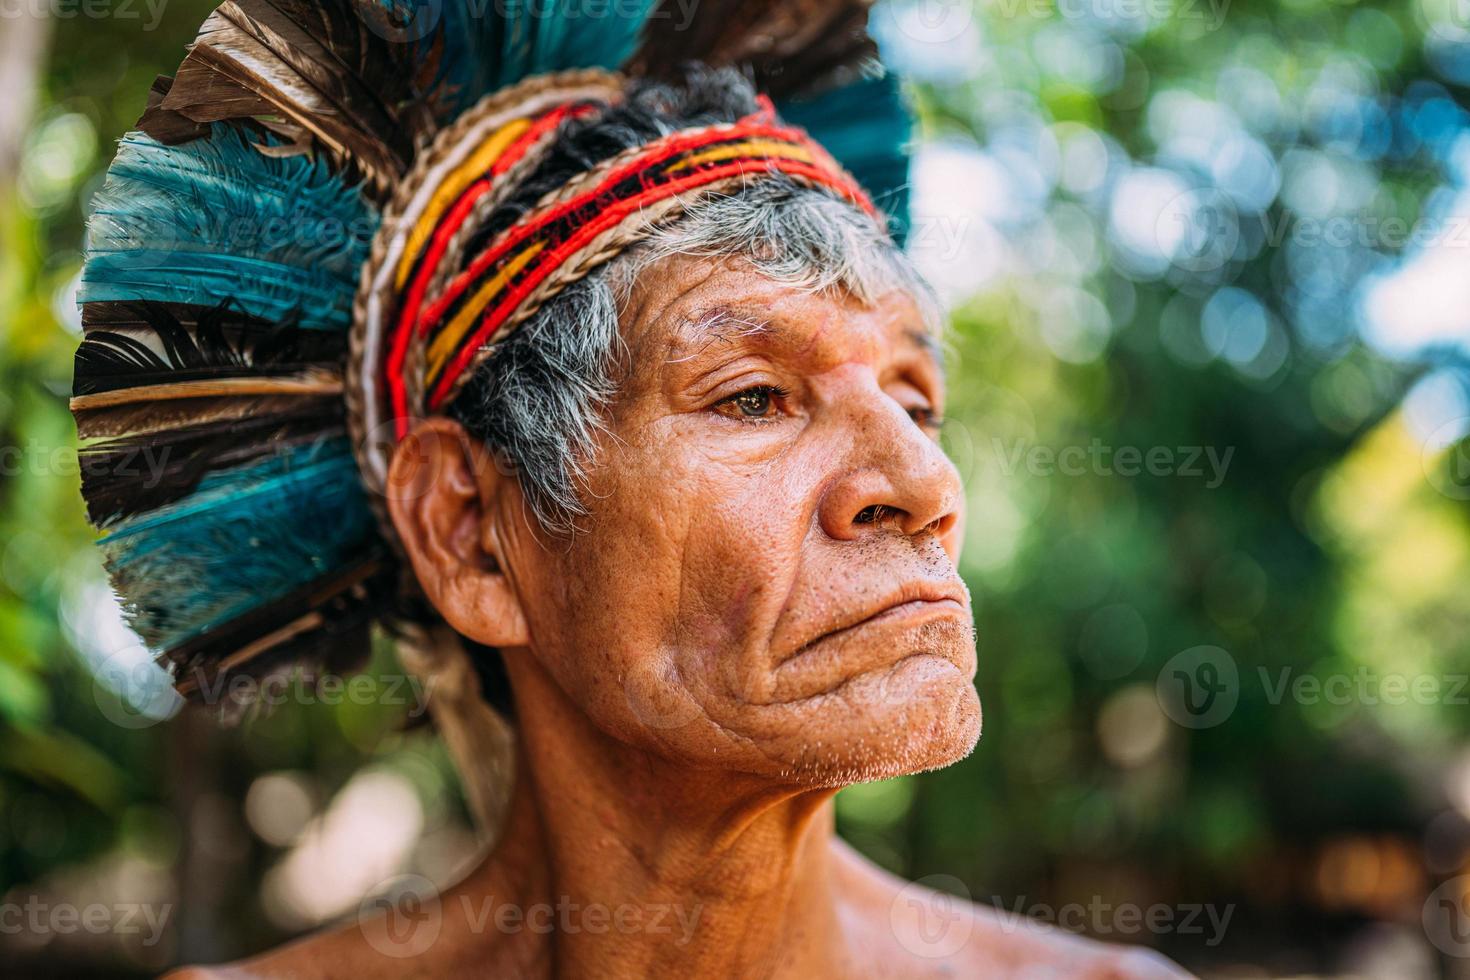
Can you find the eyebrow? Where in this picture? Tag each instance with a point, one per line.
(719, 324)
(726, 324)
(730, 323)
(927, 342)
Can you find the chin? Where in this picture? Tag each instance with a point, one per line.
(922, 713)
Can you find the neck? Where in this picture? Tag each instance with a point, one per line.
(653, 868)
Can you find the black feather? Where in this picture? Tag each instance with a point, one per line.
(131, 475)
(346, 602)
(314, 73)
(193, 344)
(790, 48)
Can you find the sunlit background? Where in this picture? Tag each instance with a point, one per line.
(1209, 271)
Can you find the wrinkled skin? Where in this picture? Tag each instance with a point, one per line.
(724, 566)
(760, 607)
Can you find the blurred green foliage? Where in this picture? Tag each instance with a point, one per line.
(1329, 540)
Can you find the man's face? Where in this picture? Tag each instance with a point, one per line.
(766, 581)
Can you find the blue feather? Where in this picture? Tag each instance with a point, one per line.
(867, 127)
(215, 219)
(586, 35)
(488, 44)
(246, 538)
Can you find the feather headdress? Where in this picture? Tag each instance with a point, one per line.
(263, 304)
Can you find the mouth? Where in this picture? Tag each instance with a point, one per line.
(919, 635)
(914, 612)
(915, 605)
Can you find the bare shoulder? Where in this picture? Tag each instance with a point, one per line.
(920, 931)
(209, 973)
(407, 938)
(332, 953)
(359, 949)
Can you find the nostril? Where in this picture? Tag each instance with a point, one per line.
(881, 514)
(876, 514)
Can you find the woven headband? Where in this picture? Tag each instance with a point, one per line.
(444, 311)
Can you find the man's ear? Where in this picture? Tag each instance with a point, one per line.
(445, 497)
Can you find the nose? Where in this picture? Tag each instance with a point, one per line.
(895, 476)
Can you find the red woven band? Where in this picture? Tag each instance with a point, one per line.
(595, 217)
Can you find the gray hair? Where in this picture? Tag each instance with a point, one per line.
(540, 400)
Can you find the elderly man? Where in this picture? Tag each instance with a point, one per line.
(650, 399)
(729, 593)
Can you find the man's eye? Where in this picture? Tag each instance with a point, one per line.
(925, 417)
(752, 403)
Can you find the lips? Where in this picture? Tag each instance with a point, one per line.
(914, 636)
(912, 605)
